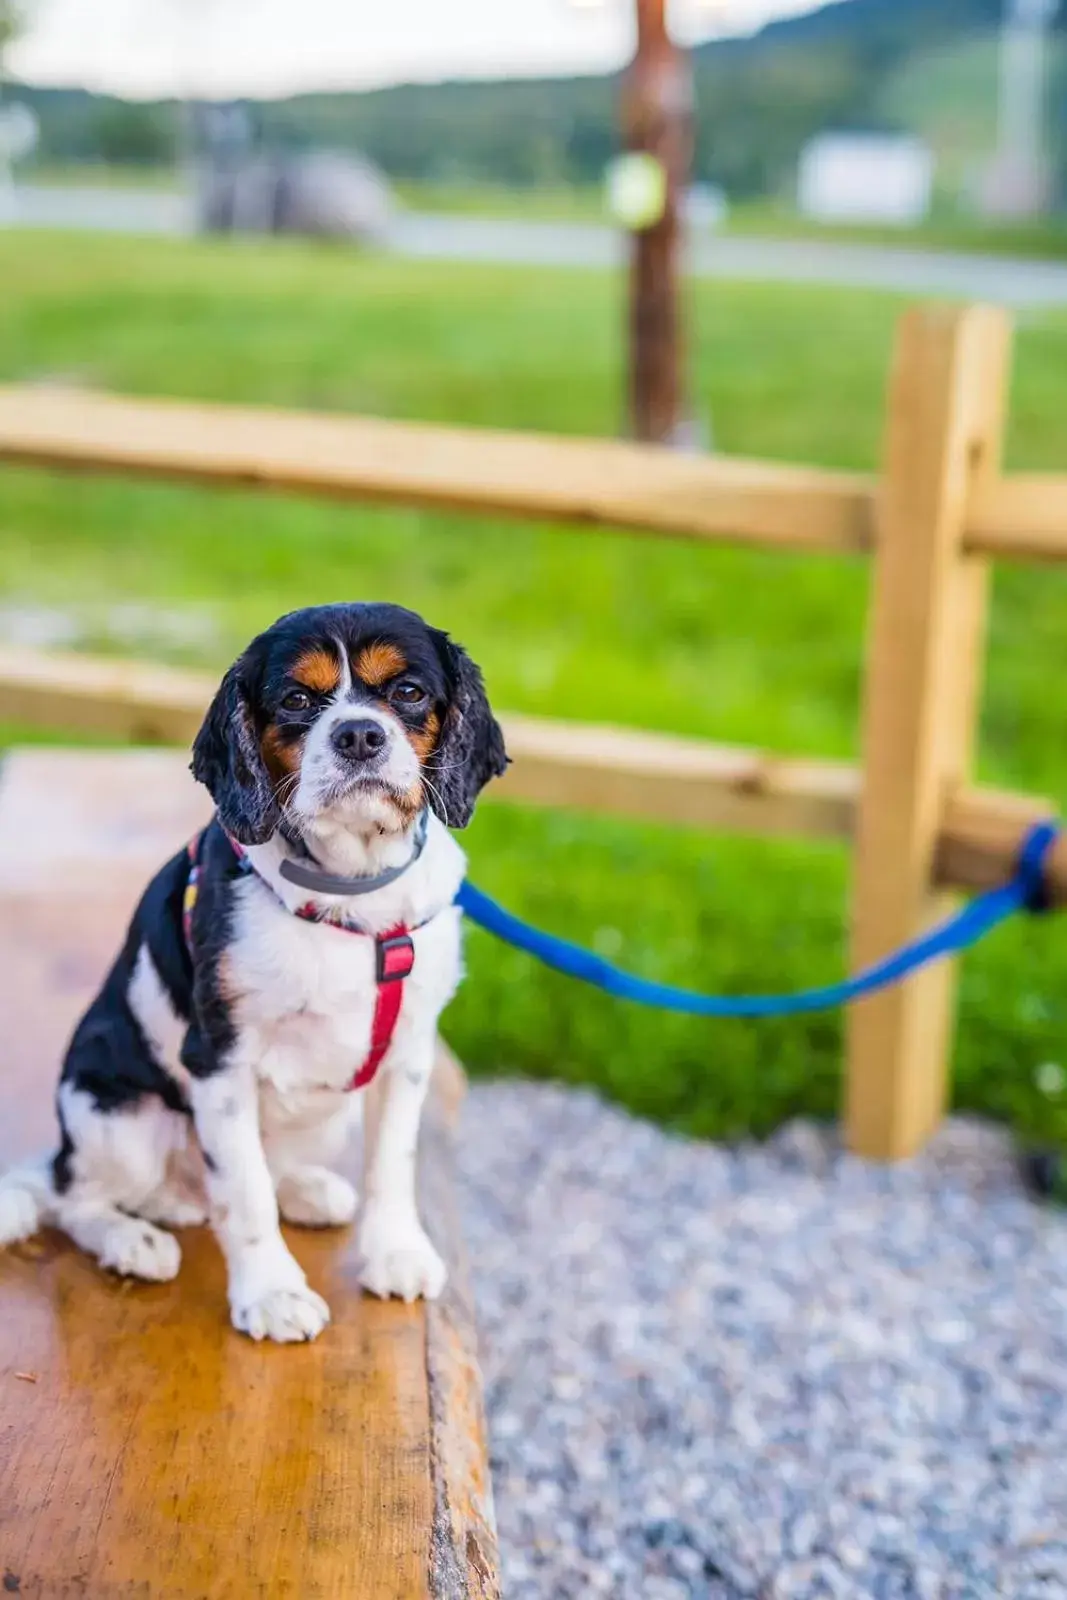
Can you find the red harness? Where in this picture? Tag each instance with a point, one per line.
(394, 959)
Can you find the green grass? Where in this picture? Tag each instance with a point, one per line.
(1042, 240)
(729, 644)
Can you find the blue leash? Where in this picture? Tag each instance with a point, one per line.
(1025, 892)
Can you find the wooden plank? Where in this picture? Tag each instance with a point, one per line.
(71, 820)
(115, 699)
(1022, 517)
(53, 802)
(685, 781)
(982, 835)
(924, 659)
(464, 1529)
(148, 1450)
(617, 771)
(586, 481)
(628, 772)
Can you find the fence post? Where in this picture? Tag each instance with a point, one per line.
(924, 662)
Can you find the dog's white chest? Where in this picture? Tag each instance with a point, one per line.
(305, 993)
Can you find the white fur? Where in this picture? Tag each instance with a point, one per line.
(161, 1024)
(304, 999)
(398, 1257)
(120, 1167)
(26, 1201)
(323, 774)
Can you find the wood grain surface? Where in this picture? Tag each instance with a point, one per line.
(592, 482)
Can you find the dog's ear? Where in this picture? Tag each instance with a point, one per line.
(470, 749)
(227, 760)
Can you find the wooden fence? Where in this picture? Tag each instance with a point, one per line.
(931, 521)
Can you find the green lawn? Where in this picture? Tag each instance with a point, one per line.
(729, 644)
(1042, 240)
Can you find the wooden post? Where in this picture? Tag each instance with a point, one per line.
(926, 641)
(657, 119)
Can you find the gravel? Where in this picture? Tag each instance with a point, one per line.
(769, 1371)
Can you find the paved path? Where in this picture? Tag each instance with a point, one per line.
(908, 271)
(1007, 280)
(98, 210)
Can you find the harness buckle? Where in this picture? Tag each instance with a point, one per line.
(394, 957)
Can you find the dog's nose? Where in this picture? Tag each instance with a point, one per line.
(358, 741)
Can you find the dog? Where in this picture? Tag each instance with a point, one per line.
(305, 941)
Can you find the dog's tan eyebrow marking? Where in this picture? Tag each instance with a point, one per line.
(317, 669)
(378, 662)
(422, 740)
(281, 758)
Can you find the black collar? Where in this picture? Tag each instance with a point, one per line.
(310, 875)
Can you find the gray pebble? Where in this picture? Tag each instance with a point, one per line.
(764, 1371)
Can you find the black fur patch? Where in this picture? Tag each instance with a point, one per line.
(212, 1033)
(109, 1057)
(470, 750)
(62, 1175)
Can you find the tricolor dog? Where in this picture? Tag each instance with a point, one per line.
(304, 942)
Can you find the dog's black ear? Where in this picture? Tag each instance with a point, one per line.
(228, 762)
(470, 749)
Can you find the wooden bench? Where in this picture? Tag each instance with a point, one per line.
(145, 1448)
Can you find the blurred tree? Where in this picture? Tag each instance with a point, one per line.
(10, 21)
(13, 15)
(133, 134)
(12, 18)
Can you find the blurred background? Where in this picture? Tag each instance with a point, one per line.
(422, 211)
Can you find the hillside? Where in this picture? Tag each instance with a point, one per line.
(949, 96)
(853, 62)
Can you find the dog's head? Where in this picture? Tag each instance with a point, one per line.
(357, 713)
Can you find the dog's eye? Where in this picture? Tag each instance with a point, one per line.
(296, 700)
(407, 693)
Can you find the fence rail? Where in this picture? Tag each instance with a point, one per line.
(595, 482)
(617, 771)
(931, 520)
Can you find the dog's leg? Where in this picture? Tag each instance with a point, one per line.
(116, 1159)
(174, 1206)
(127, 1245)
(181, 1199)
(309, 1192)
(269, 1294)
(397, 1256)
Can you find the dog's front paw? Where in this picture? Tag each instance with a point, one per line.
(136, 1249)
(315, 1197)
(288, 1316)
(398, 1259)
